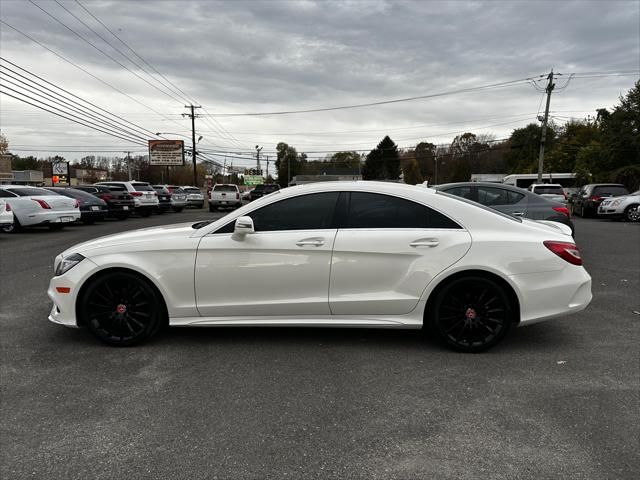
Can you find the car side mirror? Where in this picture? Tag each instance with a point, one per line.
(243, 226)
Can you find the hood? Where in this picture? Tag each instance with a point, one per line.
(133, 236)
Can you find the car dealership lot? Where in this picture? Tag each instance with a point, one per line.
(558, 399)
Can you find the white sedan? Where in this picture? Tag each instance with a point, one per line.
(33, 206)
(6, 215)
(349, 254)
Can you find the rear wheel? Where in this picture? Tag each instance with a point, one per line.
(145, 212)
(178, 210)
(632, 213)
(122, 309)
(471, 314)
(211, 209)
(13, 227)
(56, 226)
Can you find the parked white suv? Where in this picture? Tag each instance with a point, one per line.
(145, 198)
(224, 195)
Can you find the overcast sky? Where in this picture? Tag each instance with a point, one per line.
(270, 56)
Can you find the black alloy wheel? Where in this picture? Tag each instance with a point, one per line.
(121, 309)
(471, 314)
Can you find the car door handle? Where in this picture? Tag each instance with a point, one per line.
(518, 214)
(425, 242)
(314, 242)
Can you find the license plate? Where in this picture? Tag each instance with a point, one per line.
(126, 207)
(67, 219)
(95, 208)
(224, 203)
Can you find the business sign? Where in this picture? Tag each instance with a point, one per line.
(166, 152)
(253, 180)
(60, 168)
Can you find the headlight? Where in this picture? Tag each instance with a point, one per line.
(68, 263)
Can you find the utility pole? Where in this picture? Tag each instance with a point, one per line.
(129, 164)
(258, 149)
(543, 137)
(193, 115)
(267, 160)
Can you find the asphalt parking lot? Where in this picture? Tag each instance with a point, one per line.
(560, 399)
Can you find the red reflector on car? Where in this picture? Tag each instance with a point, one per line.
(42, 203)
(563, 210)
(565, 250)
(63, 289)
(138, 194)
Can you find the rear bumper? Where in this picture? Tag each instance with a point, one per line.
(552, 294)
(49, 217)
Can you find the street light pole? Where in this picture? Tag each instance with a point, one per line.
(258, 149)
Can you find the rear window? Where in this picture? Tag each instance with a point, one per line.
(192, 190)
(611, 191)
(259, 188)
(176, 190)
(142, 187)
(115, 188)
(548, 190)
(27, 192)
(225, 188)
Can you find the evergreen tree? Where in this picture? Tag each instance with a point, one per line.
(383, 162)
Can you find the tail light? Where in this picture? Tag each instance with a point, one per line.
(565, 250)
(43, 204)
(136, 194)
(237, 196)
(595, 198)
(563, 210)
(7, 207)
(106, 197)
(77, 204)
(155, 193)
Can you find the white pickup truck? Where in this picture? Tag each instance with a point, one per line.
(224, 195)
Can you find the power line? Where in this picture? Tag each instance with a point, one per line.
(63, 116)
(87, 72)
(94, 113)
(384, 102)
(98, 48)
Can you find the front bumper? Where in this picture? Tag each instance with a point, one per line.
(63, 310)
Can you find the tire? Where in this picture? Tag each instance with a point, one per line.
(122, 217)
(584, 212)
(211, 209)
(54, 227)
(178, 210)
(89, 221)
(632, 213)
(14, 227)
(108, 310)
(471, 314)
(145, 213)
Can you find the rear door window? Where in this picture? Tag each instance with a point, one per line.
(374, 210)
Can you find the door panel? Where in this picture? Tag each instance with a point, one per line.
(380, 272)
(264, 273)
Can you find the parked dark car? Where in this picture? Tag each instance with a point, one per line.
(164, 198)
(510, 200)
(119, 202)
(92, 209)
(262, 190)
(589, 198)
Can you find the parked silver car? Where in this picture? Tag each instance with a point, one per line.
(626, 207)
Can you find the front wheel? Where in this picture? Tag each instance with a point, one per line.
(122, 309)
(632, 213)
(56, 226)
(471, 314)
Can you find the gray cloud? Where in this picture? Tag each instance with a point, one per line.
(264, 56)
